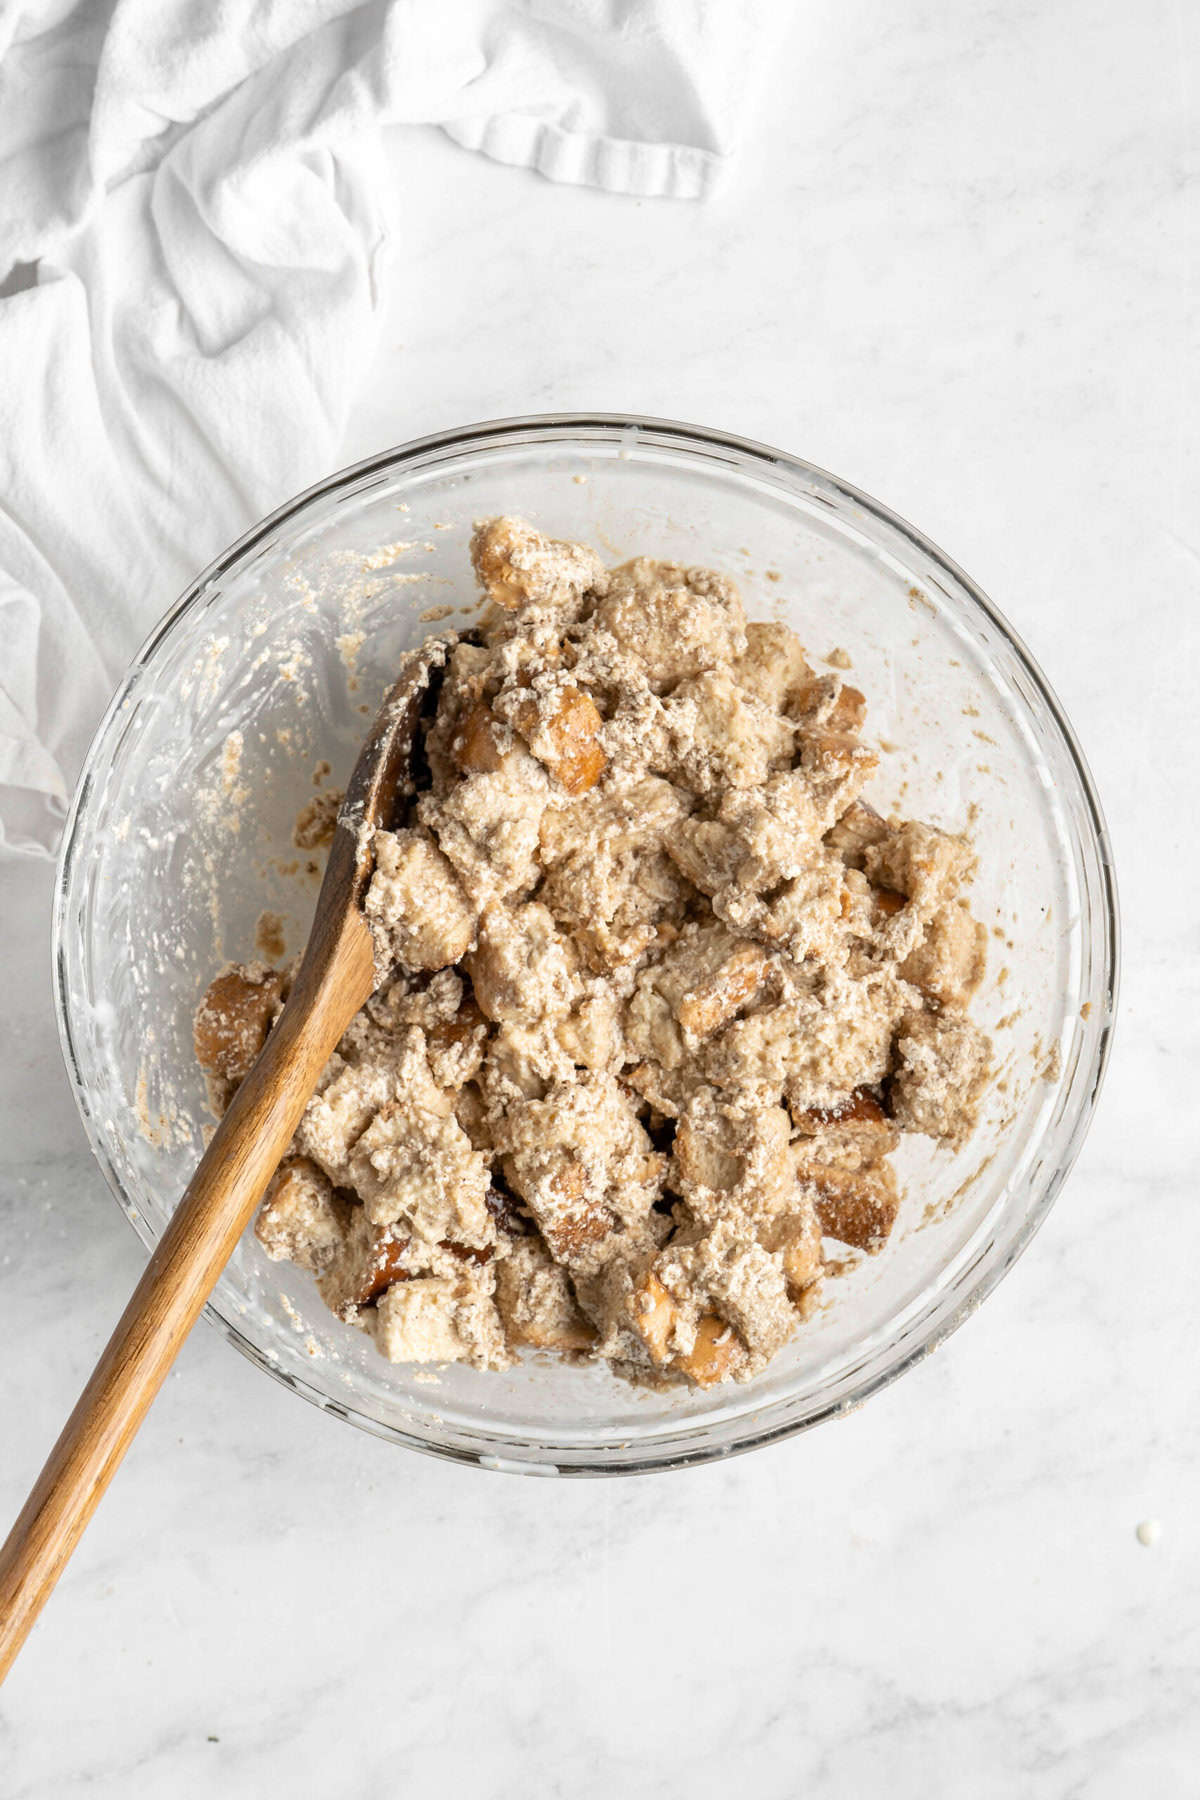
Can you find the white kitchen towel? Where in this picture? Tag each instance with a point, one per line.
(199, 187)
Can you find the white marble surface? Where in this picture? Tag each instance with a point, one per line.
(958, 265)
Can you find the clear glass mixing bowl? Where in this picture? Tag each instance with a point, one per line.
(269, 666)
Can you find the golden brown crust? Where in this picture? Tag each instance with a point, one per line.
(233, 1019)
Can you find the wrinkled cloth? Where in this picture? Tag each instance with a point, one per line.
(200, 189)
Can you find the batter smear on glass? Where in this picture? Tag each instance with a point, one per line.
(659, 991)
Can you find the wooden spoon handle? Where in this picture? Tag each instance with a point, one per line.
(181, 1274)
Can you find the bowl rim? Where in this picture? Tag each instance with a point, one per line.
(679, 1453)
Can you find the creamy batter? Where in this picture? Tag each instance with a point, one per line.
(662, 993)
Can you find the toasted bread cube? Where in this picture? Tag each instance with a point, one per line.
(943, 1066)
(732, 740)
(591, 1034)
(474, 747)
(855, 1132)
(948, 965)
(715, 1151)
(455, 1046)
(857, 830)
(518, 567)
(677, 622)
(855, 1206)
(859, 1108)
(702, 980)
(743, 1282)
(234, 1018)
(441, 1318)
(797, 1235)
(487, 824)
(416, 903)
(387, 1265)
(536, 1303)
(774, 667)
(317, 822)
(552, 1184)
(926, 865)
(707, 852)
(519, 966)
(563, 731)
(418, 1166)
(654, 1316)
(607, 876)
(715, 1353)
(827, 703)
(849, 709)
(368, 1260)
(415, 1322)
(337, 1115)
(716, 998)
(301, 1220)
(703, 1156)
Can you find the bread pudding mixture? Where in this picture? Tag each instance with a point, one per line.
(660, 991)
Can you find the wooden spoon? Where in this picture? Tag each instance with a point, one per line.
(335, 978)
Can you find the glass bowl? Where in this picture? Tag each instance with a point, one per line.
(254, 692)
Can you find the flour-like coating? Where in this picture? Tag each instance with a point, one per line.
(662, 993)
